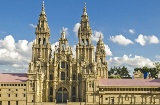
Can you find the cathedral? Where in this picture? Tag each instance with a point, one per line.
(61, 77)
(56, 77)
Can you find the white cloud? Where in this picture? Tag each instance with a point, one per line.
(15, 56)
(96, 35)
(108, 50)
(8, 43)
(153, 39)
(76, 27)
(32, 25)
(130, 62)
(132, 31)
(143, 39)
(121, 40)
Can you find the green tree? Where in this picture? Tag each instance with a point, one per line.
(157, 66)
(118, 72)
(111, 71)
(151, 71)
(124, 72)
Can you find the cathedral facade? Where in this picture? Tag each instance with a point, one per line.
(57, 76)
(61, 77)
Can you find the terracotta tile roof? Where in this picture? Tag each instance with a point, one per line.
(129, 82)
(13, 77)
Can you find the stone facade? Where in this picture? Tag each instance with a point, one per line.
(59, 77)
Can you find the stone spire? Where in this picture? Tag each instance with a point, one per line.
(100, 37)
(85, 48)
(63, 34)
(100, 50)
(100, 42)
(84, 32)
(42, 25)
(42, 38)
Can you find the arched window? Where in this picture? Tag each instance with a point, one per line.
(82, 41)
(87, 43)
(51, 77)
(73, 77)
(39, 40)
(44, 41)
(67, 66)
(73, 91)
(74, 94)
(51, 91)
(62, 75)
(62, 64)
(101, 60)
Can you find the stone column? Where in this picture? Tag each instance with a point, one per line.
(122, 99)
(77, 98)
(154, 98)
(142, 99)
(134, 100)
(92, 50)
(77, 52)
(88, 53)
(131, 99)
(70, 92)
(47, 91)
(85, 51)
(54, 81)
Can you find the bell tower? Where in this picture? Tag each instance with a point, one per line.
(100, 51)
(42, 38)
(86, 65)
(85, 48)
(37, 88)
(100, 58)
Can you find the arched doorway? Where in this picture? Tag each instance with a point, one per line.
(62, 95)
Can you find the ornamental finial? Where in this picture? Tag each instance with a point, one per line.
(84, 9)
(85, 4)
(43, 8)
(100, 36)
(63, 33)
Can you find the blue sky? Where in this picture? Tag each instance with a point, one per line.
(120, 21)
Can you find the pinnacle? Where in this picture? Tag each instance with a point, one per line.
(43, 8)
(63, 33)
(100, 36)
(84, 9)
